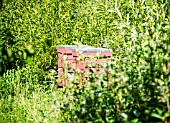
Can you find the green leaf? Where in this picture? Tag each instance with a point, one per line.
(159, 111)
(30, 49)
(157, 116)
(135, 120)
(124, 115)
(9, 51)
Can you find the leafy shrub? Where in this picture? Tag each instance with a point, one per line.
(128, 94)
(139, 80)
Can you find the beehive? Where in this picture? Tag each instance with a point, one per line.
(79, 58)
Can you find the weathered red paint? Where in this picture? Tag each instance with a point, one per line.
(72, 57)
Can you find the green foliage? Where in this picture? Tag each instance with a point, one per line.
(136, 88)
(139, 80)
(19, 79)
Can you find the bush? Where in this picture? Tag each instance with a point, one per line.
(133, 92)
(138, 88)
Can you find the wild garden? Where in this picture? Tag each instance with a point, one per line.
(137, 88)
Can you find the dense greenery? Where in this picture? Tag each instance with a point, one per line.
(136, 88)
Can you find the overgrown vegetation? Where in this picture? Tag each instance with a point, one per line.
(137, 86)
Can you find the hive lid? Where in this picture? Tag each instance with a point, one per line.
(84, 48)
(95, 50)
(74, 46)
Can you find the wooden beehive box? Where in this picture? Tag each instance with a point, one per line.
(72, 57)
